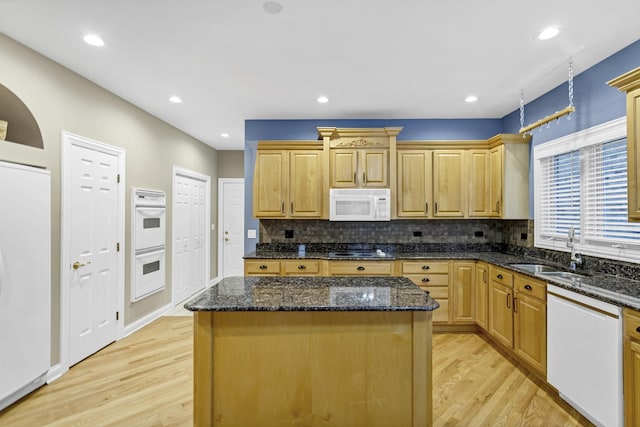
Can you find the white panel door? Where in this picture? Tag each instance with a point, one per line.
(93, 204)
(190, 223)
(232, 209)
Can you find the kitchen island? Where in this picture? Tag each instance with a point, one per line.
(275, 351)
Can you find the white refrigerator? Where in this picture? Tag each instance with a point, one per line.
(25, 280)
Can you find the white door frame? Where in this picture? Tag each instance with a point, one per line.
(207, 215)
(221, 182)
(67, 141)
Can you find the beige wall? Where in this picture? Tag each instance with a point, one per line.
(231, 164)
(62, 100)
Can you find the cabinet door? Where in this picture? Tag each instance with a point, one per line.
(261, 267)
(343, 168)
(631, 383)
(479, 179)
(270, 184)
(500, 312)
(448, 183)
(463, 291)
(305, 183)
(530, 330)
(633, 153)
(414, 184)
(495, 181)
(374, 168)
(482, 295)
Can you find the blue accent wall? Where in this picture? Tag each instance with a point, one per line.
(595, 102)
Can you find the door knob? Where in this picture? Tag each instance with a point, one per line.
(76, 265)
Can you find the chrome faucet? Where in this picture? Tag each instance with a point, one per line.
(576, 258)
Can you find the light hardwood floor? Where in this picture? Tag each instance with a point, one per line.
(146, 380)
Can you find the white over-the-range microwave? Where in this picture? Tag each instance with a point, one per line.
(360, 204)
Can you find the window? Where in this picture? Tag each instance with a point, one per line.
(581, 183)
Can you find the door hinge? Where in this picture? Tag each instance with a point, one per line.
(118, 247)
(118, 178)
(117, 315)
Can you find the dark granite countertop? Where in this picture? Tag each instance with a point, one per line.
(313, 294)
(617, 290)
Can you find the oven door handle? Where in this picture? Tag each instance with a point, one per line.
(145, 253)
(150, 211)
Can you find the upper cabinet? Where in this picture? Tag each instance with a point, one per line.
(415, 184)
(509, 182)
(449, 189)
(630, 83)
(360, 157)
(478, 196)
(288, 183)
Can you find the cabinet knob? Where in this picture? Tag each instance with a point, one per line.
(360, 268)
(263, 267)
(500, 276)
(638, 329)
(528, 287)
(425, 280)
(425, 267)
(302, 267)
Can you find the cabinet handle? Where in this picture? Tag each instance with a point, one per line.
(263, 267)
(508, 300)
(426, 208)
(435, 208)
(638, 329)
(428, 293)
(291, 207)
(364, 178)
(484, 276)
(360, 268)
(282, 208)
(302, 267)
(515, 305)
(498, 206)
(425, 267)
(355, 179)
(499, 276)
(425, 280)
(528, 287)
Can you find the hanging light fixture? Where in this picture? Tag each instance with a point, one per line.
(524, 130)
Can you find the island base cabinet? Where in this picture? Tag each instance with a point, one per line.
(367, 368)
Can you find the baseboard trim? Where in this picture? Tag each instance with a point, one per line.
(214, 281)
(144, 321)
(447, 328)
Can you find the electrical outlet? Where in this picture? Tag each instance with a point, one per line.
(288, 234)
(478, 234)
(523, 236)
(417, 234)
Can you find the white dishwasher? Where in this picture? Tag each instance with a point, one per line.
(584, 354)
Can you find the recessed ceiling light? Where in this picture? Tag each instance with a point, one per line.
(224, 135)
(471, 98)
(322, 99)
(548, 33)
(272, 7)
(175, 99)
(93, 40)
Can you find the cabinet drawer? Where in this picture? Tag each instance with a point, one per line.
(261, 267)
(501, 276)
(632, 324)
(301, 267)
(528, 286)
(360, 268)
(437, 292)
(422, 267)
(441, 315)
(429, 279)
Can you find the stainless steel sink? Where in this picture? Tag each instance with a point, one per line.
(566, 275)
(535, 268)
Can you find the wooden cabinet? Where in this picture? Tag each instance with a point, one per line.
(359, 168)
(631, 367)
(478, 194)
(300, 267)
(261, 267)
(482, 295)
(530, 322)
(501, 305)
(449, 183)
(360, 268)
(630, 83)
(463, 291)
(433, 277)
(509, 176)
(288, 184)
(415, 184)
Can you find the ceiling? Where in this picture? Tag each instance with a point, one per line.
(231, 60)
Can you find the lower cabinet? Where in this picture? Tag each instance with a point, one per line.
(501, 305)
(271, 267)
(631, 356)
(463, 289)
(433, 277)
(261, 267)
(360, 268)
(482, 295)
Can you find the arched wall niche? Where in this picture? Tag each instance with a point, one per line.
(22, 128)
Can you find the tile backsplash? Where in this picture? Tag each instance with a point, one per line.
(449, 231)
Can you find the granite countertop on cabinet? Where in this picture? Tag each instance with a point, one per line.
(313, 293)
(617, 290)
